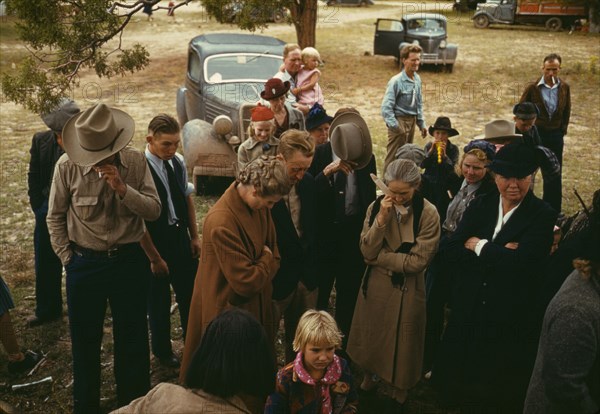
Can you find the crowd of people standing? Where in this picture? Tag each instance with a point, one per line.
(438, 266)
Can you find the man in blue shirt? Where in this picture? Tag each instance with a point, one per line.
(402, 106)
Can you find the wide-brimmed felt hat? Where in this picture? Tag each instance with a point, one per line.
(516, 160)
(526, 110)
(96, 134)
(317, 116)
(499, 131)
(274, 88)
(351, 139)
(443, 124)
(56, 118)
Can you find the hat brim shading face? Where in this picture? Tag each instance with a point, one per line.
(499, 139)
(365, 136)
(84, 157)
(451, 131)
(510, 170)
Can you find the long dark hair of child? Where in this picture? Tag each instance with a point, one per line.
(233, 358)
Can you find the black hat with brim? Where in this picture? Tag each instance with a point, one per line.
(516, 160)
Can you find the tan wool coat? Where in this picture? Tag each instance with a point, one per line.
(168, 398)
(233, 270)
(388, 329)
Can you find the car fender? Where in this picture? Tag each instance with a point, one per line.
(451, 52)
(180, 105)
(480, 12)
(206, 152)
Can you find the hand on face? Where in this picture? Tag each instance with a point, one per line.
(110, 173)
(339, 165)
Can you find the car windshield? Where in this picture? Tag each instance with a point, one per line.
(241, 67)
(425, 25)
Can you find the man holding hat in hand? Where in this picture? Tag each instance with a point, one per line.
(101, 194)
(345, 190)
(46, 149)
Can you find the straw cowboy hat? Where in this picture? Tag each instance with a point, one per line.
(516, 160)
(351, 139)
(499, 131)
(58, 116)
(96, 134)
(443, 124)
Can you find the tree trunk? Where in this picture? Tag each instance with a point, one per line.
(304, 17)
(594, 25)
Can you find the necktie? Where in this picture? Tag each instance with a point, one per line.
(177, 196)
(340, 196)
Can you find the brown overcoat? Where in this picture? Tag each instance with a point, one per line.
(234, 271)
(388, 329)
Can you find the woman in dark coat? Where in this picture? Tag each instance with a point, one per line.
(476, 181)
(487, 351)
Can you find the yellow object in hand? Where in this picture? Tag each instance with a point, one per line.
(439, 152)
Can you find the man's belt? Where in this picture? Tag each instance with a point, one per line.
(115, 251)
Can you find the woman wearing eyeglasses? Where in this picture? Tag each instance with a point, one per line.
(399, 238)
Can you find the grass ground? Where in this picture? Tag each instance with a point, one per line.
(492, 68)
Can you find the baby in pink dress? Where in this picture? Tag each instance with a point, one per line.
(307, 90)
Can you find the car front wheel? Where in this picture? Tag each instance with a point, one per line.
(554, 24)
(279, 16)
(481, 21)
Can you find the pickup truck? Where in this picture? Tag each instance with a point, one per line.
(552, 14)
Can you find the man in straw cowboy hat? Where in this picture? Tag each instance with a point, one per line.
(46, 149)
(101, 194)
(341, 168)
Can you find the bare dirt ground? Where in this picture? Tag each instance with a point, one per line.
(492, 68)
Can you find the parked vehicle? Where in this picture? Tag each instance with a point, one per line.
(466, 4)
(554, 15)
(225, 74)
(359, 3)
(426, 29)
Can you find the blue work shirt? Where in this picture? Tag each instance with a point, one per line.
(403, 98)
(549, 95)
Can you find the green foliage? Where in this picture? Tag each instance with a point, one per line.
(65, 37)
(247, 14)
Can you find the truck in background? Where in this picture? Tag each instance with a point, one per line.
(552, 14)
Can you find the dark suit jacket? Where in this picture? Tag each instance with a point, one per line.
(561, 117)
(44, 151)
(326, 196)
(297, 254)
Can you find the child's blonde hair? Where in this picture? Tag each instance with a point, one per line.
(251, 132)
(317, 327)
(309, 52)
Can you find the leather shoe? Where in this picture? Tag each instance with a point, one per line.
(170, 361)
(35, 321)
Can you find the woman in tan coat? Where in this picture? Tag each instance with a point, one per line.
(399, 239)
(239, 255)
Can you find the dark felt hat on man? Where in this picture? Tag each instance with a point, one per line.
(443, 124)
(526, 110)
(56, 118)
(351, 139)
(317, 116)
(97, 133)
(274, 88)
(516, 160)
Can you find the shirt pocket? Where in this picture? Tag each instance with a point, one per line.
(85, 206)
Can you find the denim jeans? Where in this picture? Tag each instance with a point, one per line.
(91, 284)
